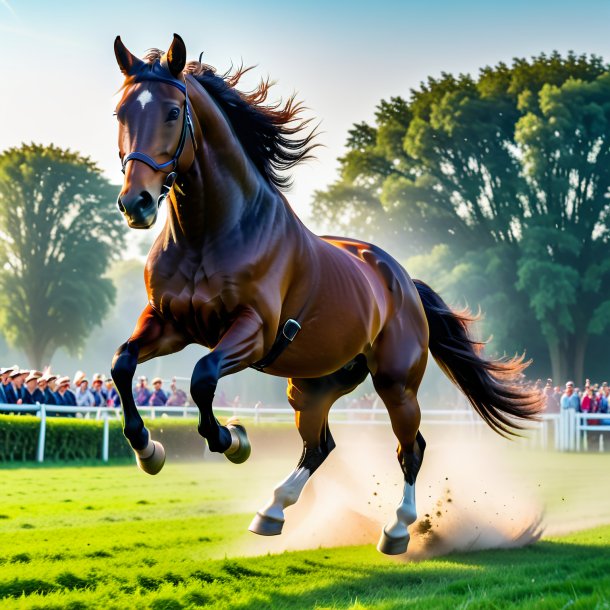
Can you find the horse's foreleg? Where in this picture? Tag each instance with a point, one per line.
(311, 400)
(241, 345)
(151, 338)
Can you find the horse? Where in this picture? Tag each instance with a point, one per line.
(236, 271)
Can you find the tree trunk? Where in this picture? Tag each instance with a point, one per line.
(559, 363)
(580, 348)
(37, 355)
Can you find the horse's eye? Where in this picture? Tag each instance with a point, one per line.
(173, 114)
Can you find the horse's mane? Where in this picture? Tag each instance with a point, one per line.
(266, 131)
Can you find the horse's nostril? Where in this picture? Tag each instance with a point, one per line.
(119, 202)
(144, 200)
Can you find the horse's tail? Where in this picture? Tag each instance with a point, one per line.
(493, 387)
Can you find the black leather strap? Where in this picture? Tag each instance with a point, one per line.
(284, 338)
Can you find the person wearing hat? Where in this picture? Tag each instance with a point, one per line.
(142, 393)
(65, 396)
(14, 390)
(570, 399)
(96, 390)
(31, 393)
(111, 396)
(44, 384)
(158, 398)
(84, 398)
(5, 380)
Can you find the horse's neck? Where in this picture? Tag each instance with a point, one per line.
(222, 188)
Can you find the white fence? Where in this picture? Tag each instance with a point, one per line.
(568, 430)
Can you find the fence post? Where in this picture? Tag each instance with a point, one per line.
(557, 431)
(105, 437)
(42, 432)
(575, 430)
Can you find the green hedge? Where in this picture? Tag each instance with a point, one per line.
(69, 439)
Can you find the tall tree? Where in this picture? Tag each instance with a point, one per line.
(58, 231)
(511, 167)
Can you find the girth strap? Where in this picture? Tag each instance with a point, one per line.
(284, 338)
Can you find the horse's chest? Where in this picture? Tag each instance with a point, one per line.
(202, 311)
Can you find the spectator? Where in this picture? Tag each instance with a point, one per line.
(31, 393)
(142, 393)
(84, 398)
(158, 398)
(550, 399)
(178, 397)
(65, 396)
(589, 402)
(604, 398)
(570, 399)
(4, 376)
(111, 396)
(44, 384)
(14, 390)
(78, 377)
(96, 390)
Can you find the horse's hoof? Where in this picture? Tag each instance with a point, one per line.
(154, 462)
(242, 452)
(392, 546)
(266, 526)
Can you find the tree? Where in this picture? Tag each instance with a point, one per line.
(511, 167)
(59, 229)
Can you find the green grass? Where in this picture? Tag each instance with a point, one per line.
(111, 537)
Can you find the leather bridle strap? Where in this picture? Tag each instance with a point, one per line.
(187, 127)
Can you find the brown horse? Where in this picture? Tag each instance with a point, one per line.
(236, 271)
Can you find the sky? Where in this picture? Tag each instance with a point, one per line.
(59, 74)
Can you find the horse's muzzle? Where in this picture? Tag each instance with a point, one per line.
(140, 211)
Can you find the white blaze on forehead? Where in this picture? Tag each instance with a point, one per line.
(144, 98)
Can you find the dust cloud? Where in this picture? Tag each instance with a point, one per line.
(468, 497)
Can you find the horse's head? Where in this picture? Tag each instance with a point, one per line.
(156, 138)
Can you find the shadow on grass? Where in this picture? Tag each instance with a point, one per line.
(546, 574)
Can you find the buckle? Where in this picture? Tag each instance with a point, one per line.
(291, 328)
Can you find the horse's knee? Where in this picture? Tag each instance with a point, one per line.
(124, 364)
(204, 380)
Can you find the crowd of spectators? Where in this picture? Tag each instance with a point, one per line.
(23, 386)
(592, 398)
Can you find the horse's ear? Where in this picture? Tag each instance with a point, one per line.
(127, 62)
(176, 56)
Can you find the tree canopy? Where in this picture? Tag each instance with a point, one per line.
(510, 171)
(59, 230)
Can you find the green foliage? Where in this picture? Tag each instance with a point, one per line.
(511, 171)
(58, 231)
(72, 439)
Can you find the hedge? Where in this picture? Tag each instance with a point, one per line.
(69, 439)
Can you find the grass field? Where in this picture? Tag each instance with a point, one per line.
(112, 537)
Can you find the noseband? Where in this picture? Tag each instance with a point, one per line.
(172, 164)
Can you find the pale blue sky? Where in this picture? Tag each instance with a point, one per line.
(59, 74)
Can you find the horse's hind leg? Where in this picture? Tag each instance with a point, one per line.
(400, 367)
(311, 400)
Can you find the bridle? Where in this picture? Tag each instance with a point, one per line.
(172, 164)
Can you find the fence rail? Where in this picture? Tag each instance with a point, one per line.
(569, 429)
